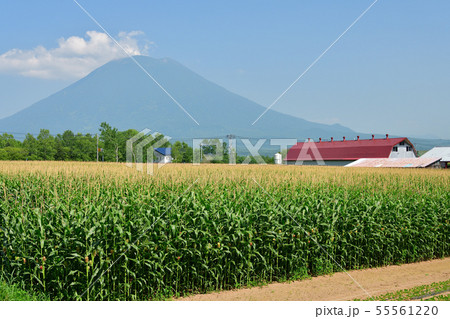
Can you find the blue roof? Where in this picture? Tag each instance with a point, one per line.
(164, 150)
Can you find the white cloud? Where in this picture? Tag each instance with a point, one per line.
(74, 57)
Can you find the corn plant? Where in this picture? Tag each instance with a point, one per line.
(63, 226)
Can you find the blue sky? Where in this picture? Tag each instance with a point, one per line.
(389, 74)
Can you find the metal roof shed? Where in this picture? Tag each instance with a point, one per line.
(166, 151)
(395, 162)
(442, 152)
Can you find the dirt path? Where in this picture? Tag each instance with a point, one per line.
(340, 286)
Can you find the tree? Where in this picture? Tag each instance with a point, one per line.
(124, 136)
(46, 145)
(7, 140)
(67, 146)
(84, 147)
(11, 153)
(62, 151)
(181, 152)
(31, 145)
(110, 137)
(78, 147)
(212, 150)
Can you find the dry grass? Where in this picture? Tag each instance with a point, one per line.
(269, 175)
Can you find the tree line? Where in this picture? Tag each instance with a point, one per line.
(110, 144)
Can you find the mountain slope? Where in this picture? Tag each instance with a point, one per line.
(123, 95)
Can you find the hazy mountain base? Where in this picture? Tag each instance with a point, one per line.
(121, 94)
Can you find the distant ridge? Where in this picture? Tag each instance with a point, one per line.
(121, 94)
(124, 96)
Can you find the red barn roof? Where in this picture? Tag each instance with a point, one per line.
(344, 150)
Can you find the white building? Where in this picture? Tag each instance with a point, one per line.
(441, 152)
(403, 149)
(278, 159)
(163, 155)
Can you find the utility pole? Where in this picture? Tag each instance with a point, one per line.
(97, 147)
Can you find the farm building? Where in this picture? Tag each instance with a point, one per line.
(163, 155)
(415, 162)
(343, 152)
(443, 153)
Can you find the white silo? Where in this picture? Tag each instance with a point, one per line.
(278, 159)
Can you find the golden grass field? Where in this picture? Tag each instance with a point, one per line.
(383, 178)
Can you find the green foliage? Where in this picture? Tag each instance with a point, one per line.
(10, 153)
(212, 151)
(110, 138)
(444, 297)
(112, 144)
(79, 147)
(73, 147)
(181, 152)
(426, 292)
(13, 293)
(61, 232)
(7, 140)
(65, 147)
(46, 146)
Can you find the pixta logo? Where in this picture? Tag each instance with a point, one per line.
(141, 148)
(214, 150)
(149, 148)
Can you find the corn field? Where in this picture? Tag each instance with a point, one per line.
(191, 229)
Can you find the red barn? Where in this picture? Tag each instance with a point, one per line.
(343, 152)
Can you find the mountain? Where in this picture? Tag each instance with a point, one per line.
(121, 94)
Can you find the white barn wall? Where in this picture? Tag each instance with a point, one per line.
(402, 152)
(163, 159)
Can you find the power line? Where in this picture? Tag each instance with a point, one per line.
(17, 133)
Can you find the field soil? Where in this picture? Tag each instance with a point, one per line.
(340, 286)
